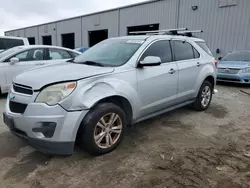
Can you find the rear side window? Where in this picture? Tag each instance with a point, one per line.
(196, 53)
(182, 50)
(160, 49)
(58, 54)
(6, 43)
(204, 46)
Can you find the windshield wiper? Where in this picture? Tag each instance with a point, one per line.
(93, 63)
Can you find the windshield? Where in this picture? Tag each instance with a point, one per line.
(237, 56)
(113, 52)
(9, 51)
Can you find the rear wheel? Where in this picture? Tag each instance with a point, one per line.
(204, 97)
(103, 129)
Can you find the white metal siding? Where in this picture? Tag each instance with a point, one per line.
(32, 32)
(107, 20)
(19, 33)
(45, 30)
(162, 12)
(224, 28)
(69, 26)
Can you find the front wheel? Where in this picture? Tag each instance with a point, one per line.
(103, 129)
(204, 97)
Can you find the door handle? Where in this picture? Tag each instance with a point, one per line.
(40, 64)
(198, 64)
(172, 71)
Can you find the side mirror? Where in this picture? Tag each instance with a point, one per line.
(219, 58)
(150, 61)
(14, 60)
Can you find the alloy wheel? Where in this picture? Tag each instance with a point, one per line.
(205, 96)
(108, 130)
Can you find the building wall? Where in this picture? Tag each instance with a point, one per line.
(69, 26)
(162, 12)
(106, 20)
(225, 27)
(19, 33)
(32, 32)
(45, 30)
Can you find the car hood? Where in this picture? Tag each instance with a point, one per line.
(233, 64)
(37, 78)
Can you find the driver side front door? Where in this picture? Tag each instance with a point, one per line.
(157, 85)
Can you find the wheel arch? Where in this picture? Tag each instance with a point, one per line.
(118, 100)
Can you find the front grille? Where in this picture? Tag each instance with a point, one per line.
(16, 107)
(228, 71)
(22, 89)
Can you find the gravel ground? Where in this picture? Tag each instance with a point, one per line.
(183, 148)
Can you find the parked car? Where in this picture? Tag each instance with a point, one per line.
(7, 42)
(235, 67)
(18, 59)
(81, 49)
(118, 82)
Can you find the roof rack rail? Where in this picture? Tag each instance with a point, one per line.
(158, 31)
(189, 33)
(178, 31)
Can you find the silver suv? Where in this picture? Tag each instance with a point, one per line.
(118, 82)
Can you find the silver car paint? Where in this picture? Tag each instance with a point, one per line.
(149, 90)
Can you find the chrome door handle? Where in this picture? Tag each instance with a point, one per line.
(198, 64)
(172, 71)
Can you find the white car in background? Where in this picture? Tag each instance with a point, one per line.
(7, 42)
(18, 59)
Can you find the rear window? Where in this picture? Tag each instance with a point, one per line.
(204, 46)
(6, 43)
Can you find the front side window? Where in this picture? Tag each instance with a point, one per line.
(29, 55)
(58, 54)
(160, 49)
(111, 53)
(182, 50)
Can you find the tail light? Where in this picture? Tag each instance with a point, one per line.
(215, 63)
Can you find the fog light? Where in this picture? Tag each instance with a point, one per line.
(46, 128)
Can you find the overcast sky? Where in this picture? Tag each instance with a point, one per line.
(22, 13)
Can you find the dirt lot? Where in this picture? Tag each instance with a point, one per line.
(183, 148)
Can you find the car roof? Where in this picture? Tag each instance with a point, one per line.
(47, 46)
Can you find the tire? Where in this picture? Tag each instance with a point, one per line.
(199, 104)
(91, 126)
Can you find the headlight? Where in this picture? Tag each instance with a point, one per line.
(245, 70)
(55, 93)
